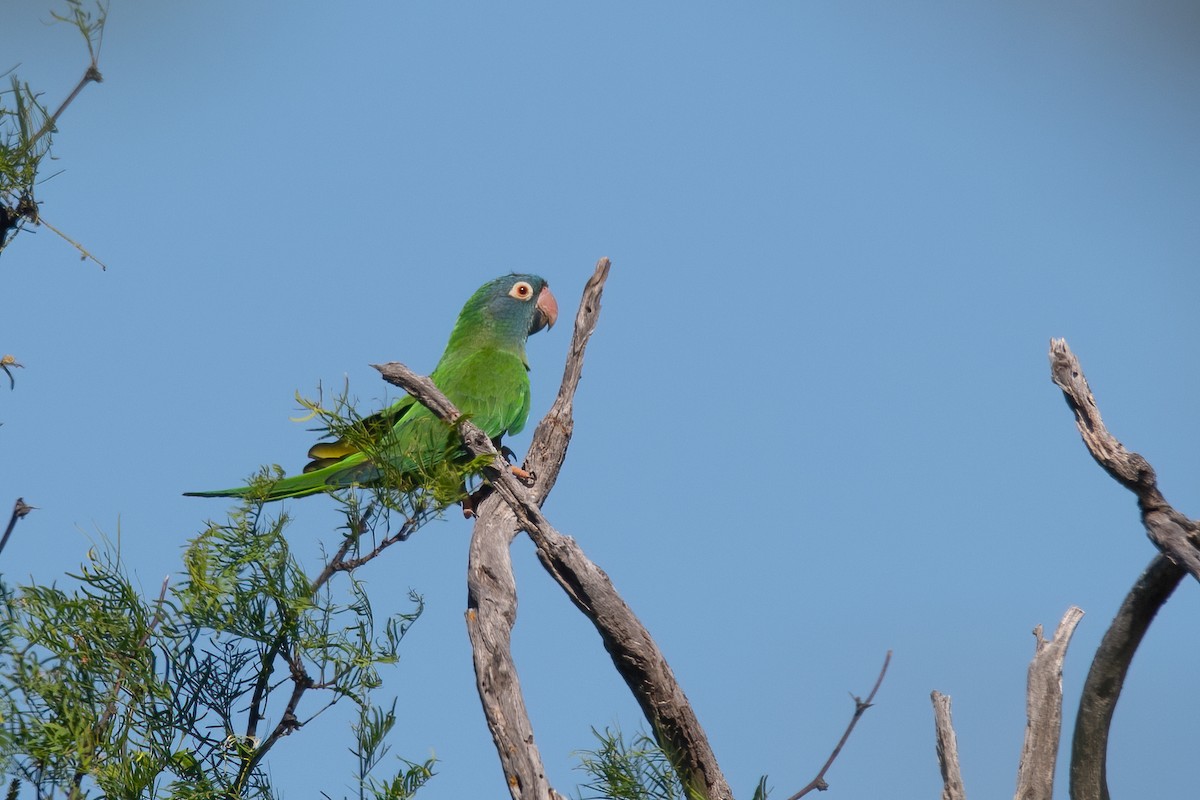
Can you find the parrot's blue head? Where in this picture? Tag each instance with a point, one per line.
(513, 306)
(505, 311)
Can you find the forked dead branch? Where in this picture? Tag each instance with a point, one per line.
(491, 609)
(492, 601)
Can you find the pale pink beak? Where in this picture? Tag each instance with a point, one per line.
(546, 313)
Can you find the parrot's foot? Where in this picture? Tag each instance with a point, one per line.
(472, 501)
(524, 476)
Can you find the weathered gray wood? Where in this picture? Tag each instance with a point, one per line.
(491, 585)
(1102, 689)
(1043, 710)
(1173, 533)
(1176, 536)
(493, 600)
(947, 748)
(491, 613)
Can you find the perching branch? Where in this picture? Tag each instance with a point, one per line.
(492, 605)
(491, 585)
(1173, 533)
(947, 748)
(1043, 709)
(860, 707)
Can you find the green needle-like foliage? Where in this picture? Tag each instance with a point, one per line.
(84, 689)
(374, 724)
(418, 491)
(637, 770)
(103, 691)
(26, 126)
(21, 154)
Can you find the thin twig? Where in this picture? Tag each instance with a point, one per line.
(20, 509)
(7, 361)
(860, 707)
(84, 252)
(110, 709)
(90, 75)
(301, 680)
(339, 562)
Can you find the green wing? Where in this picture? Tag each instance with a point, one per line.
(373, 428)
(490, 386)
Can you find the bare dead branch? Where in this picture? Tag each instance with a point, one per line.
(1172, 532)
(947, 748)
(20, 509)
(491, 614)
(491, 585)
(1176, 536)
(493, 600)
(90, 75)
(860, 707)
(1043, 708)
(1102, 689)
(634, 652)
(84, 253)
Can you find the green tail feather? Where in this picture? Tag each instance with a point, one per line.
(345, 473)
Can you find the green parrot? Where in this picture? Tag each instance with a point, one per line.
(483, 371)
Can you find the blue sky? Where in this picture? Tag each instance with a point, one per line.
(816, 422)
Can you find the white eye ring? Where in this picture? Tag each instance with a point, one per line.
(521, 290)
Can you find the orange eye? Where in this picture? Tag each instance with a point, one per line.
(521, 290)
